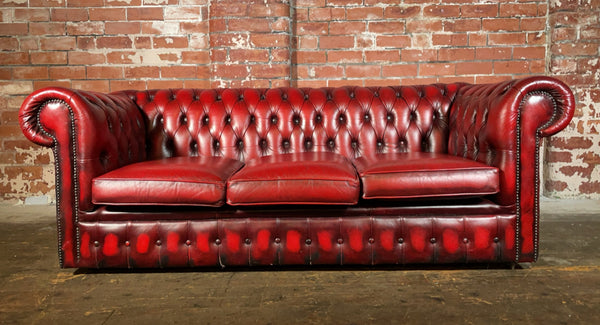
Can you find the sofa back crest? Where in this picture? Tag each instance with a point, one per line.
(250, 123)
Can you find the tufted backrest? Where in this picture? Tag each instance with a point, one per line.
(250, 123)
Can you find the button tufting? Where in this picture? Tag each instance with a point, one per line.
(308, 241)
(240, 144)
(367, 118)
(433, 240)
(188, 242)
(158, 242)
(216, 144)
(205, 120)
(263, 144)
(389, 117)
(308, 144)
(296, 120)
(227, 119)
(247, 241)
(465, 240)
(273, 119)
(354, 144)
(400, 240)
(318, 118)
(331, 143)
(285, 144)
(371, 240)
(96, 243)
(496, 239)
(262, 97)
(340, 241)
(342, 119)
(218, 241)
(277, 240)
(127, 243)
(252, 118)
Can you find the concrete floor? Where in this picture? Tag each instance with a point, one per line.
(563, 287)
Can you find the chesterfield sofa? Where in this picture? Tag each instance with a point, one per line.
(441, 173)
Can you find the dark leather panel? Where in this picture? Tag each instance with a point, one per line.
(298, 178)
(170, 181)
(289, 241)
(424, 175)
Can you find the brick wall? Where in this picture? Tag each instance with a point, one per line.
(107, 45)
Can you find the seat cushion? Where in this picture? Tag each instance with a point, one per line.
(299, 178)
(425, 175)
(170, 181)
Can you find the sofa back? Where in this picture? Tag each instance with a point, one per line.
(249, 123)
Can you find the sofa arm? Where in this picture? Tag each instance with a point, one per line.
(90, 134)
(502, 125)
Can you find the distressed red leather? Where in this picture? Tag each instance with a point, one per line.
(169, 181)
(298, 178)
(424, 175)
(498, 125)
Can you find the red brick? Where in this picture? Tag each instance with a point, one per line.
(395, 12)
(108, 14)
(270, 71)
(46, 29)
(450, 39)
(69, 14)
(182, 13)
(30, 72)
(467, 68)
(364, 13)
(312, 28)
(5, 74)
(268, 9)
(501, 24)
(437, 69)
(170, 42)
(142, 72)
(86, 3)
(116, 85)
(518, 9)
(269, 40)
(307, 42)
(536, 38)
(442, 11)
(344, 56)
(122, 27)
(58, 43)
(456, 54)
(363, 71)
(14, 58)
(533, 24)
(424, 26)
(336, 42)
(46, 3)
(9, 43)
(326, 14)
(328, 72)
(591, 187)
(387, 27)
(104, 72)
(282, 55)
(195, 57)
(507, 39)
(92, 85)
(511, 67)
(86, 28)
(529, 53)
(399, 70)
(67, 72)
(179, 71)
(462, 25)
(29, 15)
(382, 56)
(571, 143)
(50, 58)
(86, 58)
(345, 82)
(491, 79)
(249, 25)
(418, 55)
(249, 55)
(493, 53)
(477, 39)
(121, 57)
(145, 13)
(559, 156)
(393, 41)
(350, 27)
(230, 71)
(479, 10)
(452, 79)
(575, 49)
(198, 84)
(195, 27)
(114, 42)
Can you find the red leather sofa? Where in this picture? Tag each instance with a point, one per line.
(442, 173)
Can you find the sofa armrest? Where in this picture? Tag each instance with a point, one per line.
(90, 133)
(502, 125)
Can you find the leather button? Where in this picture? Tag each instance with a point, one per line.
(318, 118)
(158, 242)
(96, 243)
(227, 119)
(371, 240)
(496, 239)
(240, 144)
(340, 241)
(433, 240)
(354, 144)
(127, 243)
(285, 144)
(188, 242)
(465, 240)
(331, 143)
(342, 119)
(390, 117)
(218, 241)
(308, 241)
(205, 120)
(273, 119)
(367, 118)
(308, 144)
(400, 240)
(277, 240)
(263, 144)
(296, 120)
(248, 241)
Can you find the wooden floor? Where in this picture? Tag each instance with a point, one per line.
(563, 287)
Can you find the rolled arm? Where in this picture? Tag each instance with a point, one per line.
(90, 133)
(501, 125)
